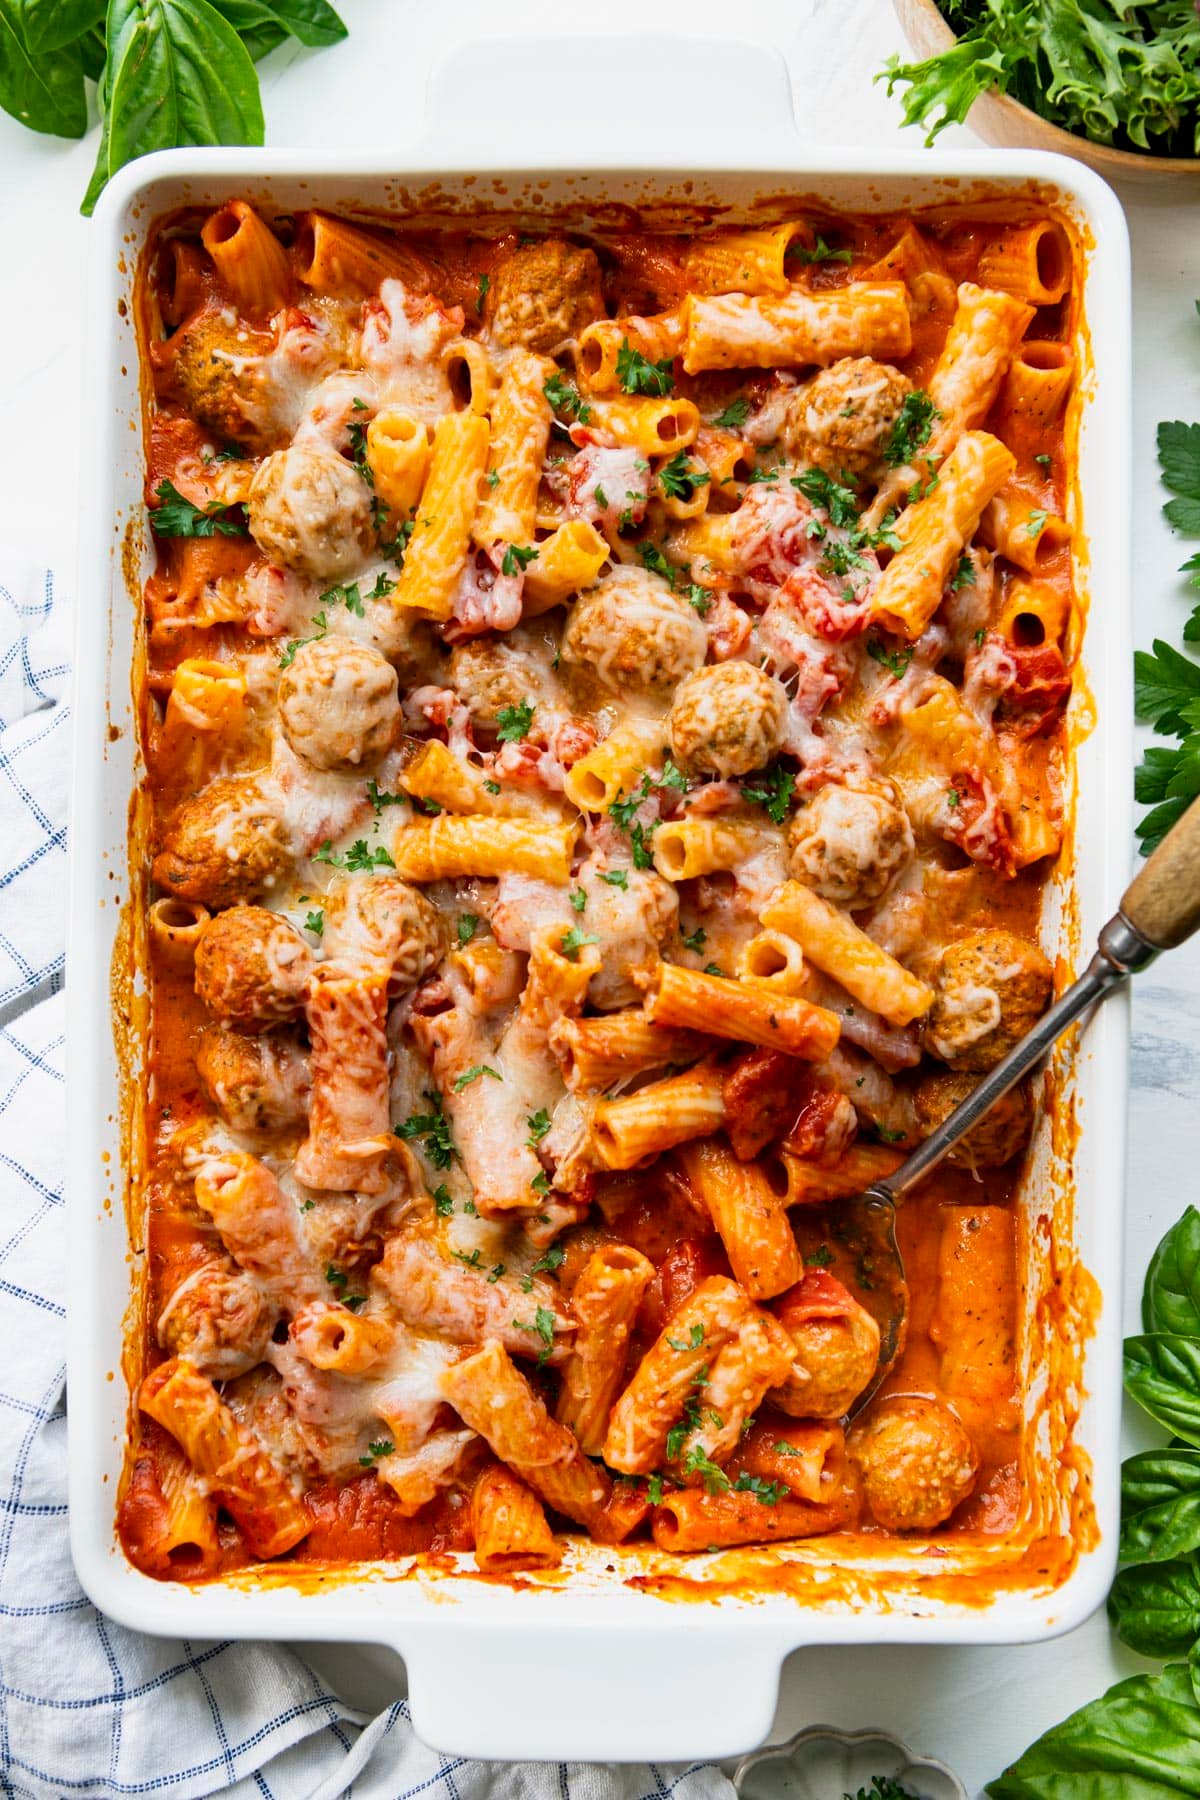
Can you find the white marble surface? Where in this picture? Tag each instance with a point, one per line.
(974, 1708)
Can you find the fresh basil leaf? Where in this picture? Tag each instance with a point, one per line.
(1162, 1373)
(1160, 1505)
(91, 53)
(42, 90)
(1171, 1297)
(52, 24)
(1140, 1741)
(178, 74)
(312, 22)
(96, 185)
(1155, 1608)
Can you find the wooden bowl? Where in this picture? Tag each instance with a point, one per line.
(1000, 120)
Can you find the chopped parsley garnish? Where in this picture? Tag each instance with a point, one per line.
(1044, 459)
(734, 415)
(1036, 522)
(485, 281)
(953, 797)
(654, 1489)
(894, 661)
(470, 1075)
(379, 799)
(964, 574)
(821, 252)
(820, 1258)
(616, 878)
(491, 787)
(287, 655)
(773, 789)
(564, 397)
(700, 598)
(337, 1278)
(673, 777)
(347, 596)
(578, 899)
(573, 941)
(767, 1493)
(432, 1131)
(653, 559)
(175, 516)
(693, 1342)
(883, 1787)
(443, 1200)
(697, 1462)
(358, 859)
(383, 587)
(315, 922)
(474, 1261)
(494, 1273)
(381, 1447)
(910, 432)
(840, 558)
(622, 810)
(541, 1182)
(514, 722)
(517, 557)
(679, 478)
(543, 1327)
(695, 940)
(839, 501)
(551, 1260)
(637, 375)
(539, 1125)
(715, 969)
(468, 925)
(357, 435)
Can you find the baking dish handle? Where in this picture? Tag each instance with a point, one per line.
(515, 98)
(689, 1691)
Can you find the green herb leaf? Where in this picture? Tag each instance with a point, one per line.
(176, 517)
(912, 428)
(1139, 1741)
(549, 1261)
(692, 1342)
(820, 489)
(432, 1131)
(468, 925)
(1160, 1505)
(767, 1493)
(637, 375)
(443, 1200)
(539, 1124)
(820, 1258)
(573, 941)
(679, 478)
(773, 789)
(379, 799)
(1162, 1373)
(734, 416)
(514, 722)
(578, 899)
(1155, 1608)
(616, 878)
(470, 1075)
(315, 922)
(821, 252)
(517, 557)
(381, 1447)
(694, 940)
(1171, 1296)
(543, 1326)
(41, 69)
(564, 397)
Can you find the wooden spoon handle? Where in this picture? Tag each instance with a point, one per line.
(1162, 902)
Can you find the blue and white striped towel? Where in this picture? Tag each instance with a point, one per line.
(87, 1708)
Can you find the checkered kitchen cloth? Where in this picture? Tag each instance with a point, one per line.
(87, 1708)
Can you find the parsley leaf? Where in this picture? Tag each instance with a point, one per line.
(821, 252)
(616, 878)
(767, 1493)
(964, 575)
(1036, 521)
(693, 1342)
(1179, 461)
(894, 661)
(578, 899)
(315, 922)
(468, 925)
(695, 940)
(773, 790)
(820, 488)
(574, 941)
(358, 858)
(637, 375)
(485, 282)
(174, 516)
(543, 1327)
(820, 1258)
(443, 1200)
(539, 1124)
(679, 478)
(287, 655)
(564, 397)
(697, 1462)
(379, 799)
(470, 1075)
(347, 596)
(653, 559)
(734, 415)
(552, 1259)
(517, 556)
(381, 1447)
(913, 424)
(514, 722)
(432, 1131)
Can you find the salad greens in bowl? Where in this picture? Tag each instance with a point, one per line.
(1115, 83)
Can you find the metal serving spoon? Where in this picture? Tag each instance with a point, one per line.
(1160, 909)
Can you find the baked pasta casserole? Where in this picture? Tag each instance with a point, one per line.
(602, 716)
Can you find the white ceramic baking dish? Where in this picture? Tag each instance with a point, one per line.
(626, 1655)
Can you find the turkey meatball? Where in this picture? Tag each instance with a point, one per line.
(338, 704)
(849, 842)
(837, 1348)
(543, 294)
(219, 1318)
(385, 929)
(252, 967)
(224, 845)
(311, 511)
(995, 1140)
(727, 720)
(255, 1083)
(631, 630)
(221, 369)
(992, 986)
(916, 1460)
(841, 418)
(489, 675)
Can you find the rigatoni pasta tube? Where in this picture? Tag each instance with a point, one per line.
(189, 1512)
(737, 331)
(934, 531)
(569, 559)
(809, 1184)
(759, 1356)
(436, 773)
(1034, 612)
(337, 1338)
(744, 262)
(1021, 531)
(520, 415)
(655, 427)
(1035, 390)
(348, 1124)
(685, 848)
(448, 848)
(558, 978)
(490, 1394)
(205, 709)
(509, 1525)
(1032, 261)
(743, 1011)
(749, 1217)
(600, 344)
(605, 1300)
(251, 262)
(806, 1455)
(773, 960)
(832, 941)
(627, 1131)
(333, 256)
(398, 457)
(689, 1519)
(247, 1482)
(176, 927)
(594, 1053)
(441, 535)
(667, 1376)
(613, 768)
(706, 541)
